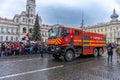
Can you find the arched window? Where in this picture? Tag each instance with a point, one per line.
(30, 30)
(24, 30)
(23, 19)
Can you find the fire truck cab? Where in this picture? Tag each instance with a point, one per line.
(72, 42)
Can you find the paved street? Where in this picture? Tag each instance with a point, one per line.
(33, 67)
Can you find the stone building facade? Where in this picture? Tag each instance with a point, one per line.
(111, 29)
(16, 29)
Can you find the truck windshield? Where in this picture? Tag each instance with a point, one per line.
(54, 33)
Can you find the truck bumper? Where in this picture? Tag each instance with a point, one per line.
(55, 50)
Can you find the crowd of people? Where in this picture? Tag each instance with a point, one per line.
(24, 48)
(21, 48)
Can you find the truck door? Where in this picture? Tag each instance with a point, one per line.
(67, 37)
(77, 38)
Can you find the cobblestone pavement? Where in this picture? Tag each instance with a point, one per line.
(34, 67)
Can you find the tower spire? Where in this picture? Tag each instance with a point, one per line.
(114, 16)
(82, 21)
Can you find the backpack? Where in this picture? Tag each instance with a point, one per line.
(109, 49)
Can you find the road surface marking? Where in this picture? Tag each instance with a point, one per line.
(35, 71)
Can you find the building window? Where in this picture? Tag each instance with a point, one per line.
(110, 34)
(11, 30)
(29, 20)
(6, 38)
(26, 20)
(23, 19)
(95, 31)
(110, 28)
(2, 30)
(16, 38)
(11, 38)
(17, 20)
(7, 30)
(17, 31)
(24, 30)
(105, 29)
(117, 28)
(32, 21)
(31, 15)
(98, 30)
(1, 38)
(101, 30)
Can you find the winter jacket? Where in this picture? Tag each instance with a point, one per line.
(110, 50)
(118, 50)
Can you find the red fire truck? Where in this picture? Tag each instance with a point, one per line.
(72, 42)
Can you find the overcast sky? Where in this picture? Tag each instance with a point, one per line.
(65, 12)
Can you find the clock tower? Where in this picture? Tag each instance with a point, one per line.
(31, 8)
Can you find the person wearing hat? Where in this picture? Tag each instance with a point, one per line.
(110, 52)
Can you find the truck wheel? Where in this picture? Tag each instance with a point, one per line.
(56, 56)
(95, 52)
(100, 52)
(69, 56)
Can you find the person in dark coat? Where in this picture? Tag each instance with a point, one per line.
(110, 52)
(3, 49)
(42, 49)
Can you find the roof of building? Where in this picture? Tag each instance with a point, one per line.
(5, 19)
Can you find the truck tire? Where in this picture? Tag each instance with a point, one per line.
(56, 56)
(100, 52)
(69, 56)
(95, 52)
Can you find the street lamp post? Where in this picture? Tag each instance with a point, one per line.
(28, 34)
(82, 24)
